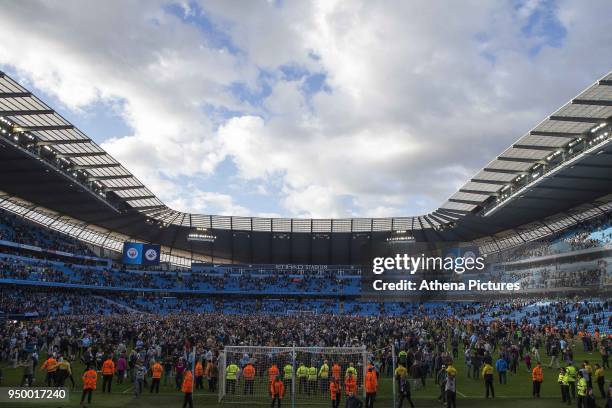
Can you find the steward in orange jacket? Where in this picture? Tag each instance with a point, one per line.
(336, 371)
(371, 386)
(538, 377)
(50, 366)
(199, 375)
(537, 374)
(273, 372)
(350, 384)
(248, 372)
(371, 382)
(108, 370)
(90, 379)
(157, 370)
(156, 373)
(277, 391)
(335, 392)
(187, 388)
(108, 367)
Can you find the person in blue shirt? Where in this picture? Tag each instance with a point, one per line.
(501, 366)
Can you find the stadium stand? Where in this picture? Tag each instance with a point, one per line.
(594, 233)
(50, 267)
(17, 230)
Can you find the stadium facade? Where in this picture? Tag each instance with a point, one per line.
(557, 174)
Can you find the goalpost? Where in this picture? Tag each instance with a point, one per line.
(305, 371)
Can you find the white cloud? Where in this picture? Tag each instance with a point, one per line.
(156, 70)
(415, 108)
(419, 96)
(207, 202)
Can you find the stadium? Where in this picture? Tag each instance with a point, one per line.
(118, 300)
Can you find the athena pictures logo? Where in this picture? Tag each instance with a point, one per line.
(132, 253)
(151, 254)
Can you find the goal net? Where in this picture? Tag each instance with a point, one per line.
(246, 372)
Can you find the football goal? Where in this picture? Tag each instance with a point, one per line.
(246, 373)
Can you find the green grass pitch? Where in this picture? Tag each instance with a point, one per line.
(470, 392)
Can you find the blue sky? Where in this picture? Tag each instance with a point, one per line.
(314, 109)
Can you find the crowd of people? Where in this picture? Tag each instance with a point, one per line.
(33, 269)
(29, 302)
(593, 233)
(16, 229)
(558, 276)
(427, 344)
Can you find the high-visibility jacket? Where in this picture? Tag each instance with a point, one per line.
(565, 379)
(401, 371)
(50, 365)
(157, 370)
(249, 372)
(277, 388)
(199, 370)
(351, 370)
(64, 366)
(599, 373)
(324, 371)
(581, 387)
(571, 373)
(231, 372)
(90, 378)
(450, 370)
(560, 378)
(312, 374)
(350, 385)
(273, 373)
(487, 369)
(537, 374)
(288, 370)
(302, 371)
(334, 390)
(108, 367)
(187, 386)
(371, 382)
(336, 371)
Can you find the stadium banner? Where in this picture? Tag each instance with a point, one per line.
(151, 254)
(132, 253)
(135, 253)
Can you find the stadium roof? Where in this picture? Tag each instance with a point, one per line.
(541, 148)
(565, 161)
